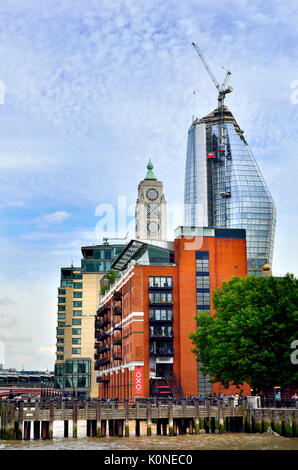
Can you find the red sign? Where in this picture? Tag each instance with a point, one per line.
(211, 155)
(138, 381)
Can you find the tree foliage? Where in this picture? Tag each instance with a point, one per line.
(249, 337)
(108, 279)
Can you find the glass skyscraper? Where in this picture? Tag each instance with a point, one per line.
(225, 187)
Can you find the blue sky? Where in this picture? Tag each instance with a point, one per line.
(92, 90)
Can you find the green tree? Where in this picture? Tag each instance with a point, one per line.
(108, 279)
(249, 337)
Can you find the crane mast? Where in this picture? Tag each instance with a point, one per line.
(222, 156)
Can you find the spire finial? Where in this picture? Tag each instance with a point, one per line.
(150, 175)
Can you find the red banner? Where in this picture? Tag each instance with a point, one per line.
(138, 381)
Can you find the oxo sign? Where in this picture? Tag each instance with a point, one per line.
(138, 381)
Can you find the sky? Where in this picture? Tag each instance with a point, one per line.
(91, 90)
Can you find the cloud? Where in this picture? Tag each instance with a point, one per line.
(6, 301)
(46, 351)
(93, 90)
(55, 218)
(7, 330)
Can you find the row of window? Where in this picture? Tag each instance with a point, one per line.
(160, 314)
(160, 297)
(160, 281)
(75, 321)
(73, 351)
(76, 303)
(202, 265)
(161, 331)
(75, 331)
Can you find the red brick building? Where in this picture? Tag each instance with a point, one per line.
(143, 323)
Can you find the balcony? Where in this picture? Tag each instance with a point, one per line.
(102, 379)
(102, 311)
(117, 341)
(103, 362)
(118, 327)
(162, 352)
(162, 337)
(103, 349)
(160, 299)
(117, 356)
(117, 296)
(161, 286)
(102, 336)
(99, 325)
(158, 321)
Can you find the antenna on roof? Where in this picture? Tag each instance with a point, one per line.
(105, 239)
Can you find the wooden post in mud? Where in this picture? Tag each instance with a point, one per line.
(126, 423)
(149, 418)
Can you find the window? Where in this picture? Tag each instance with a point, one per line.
(203, 282)
(61, 308)
(61, 300)
(77, 295)
(160, 314)
(160, 297)
(77, 276)
(61, 323)
(59, 370)
(76, 321)
(77, 285)
(61, 315)
(61, 291)
(202, 265)
(60, 340)
(203, 298)
(66, 283)
(76, 341)
(60, 348)
(76, 331)
(60, 357)
(77, 303)
(77, 313)
(76, 351)
(60, 331)
(157, 281)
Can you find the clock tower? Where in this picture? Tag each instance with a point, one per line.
(151, 208)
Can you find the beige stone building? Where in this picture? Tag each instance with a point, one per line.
(78, 300)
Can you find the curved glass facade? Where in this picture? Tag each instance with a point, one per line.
(228, 190)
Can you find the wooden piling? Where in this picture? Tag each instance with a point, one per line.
(120, 428)
(75, 419)
(27, 430)
(51, 420)
(197, 416)
(111, 427)
(126, 424)
(170, 416)
(98, 419)
(149, 418)
(158, 427)
(9, 425)
(45, 429)
(66, 428)
(103, 428)
(138, 427)
(88, 430)
(174, 427)
(164, 427)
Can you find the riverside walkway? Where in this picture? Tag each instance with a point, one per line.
(172, 417)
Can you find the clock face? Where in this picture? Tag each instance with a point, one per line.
(153, 227)
(152, 194)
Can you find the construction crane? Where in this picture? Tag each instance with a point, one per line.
(223, 157)
(222, 89)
